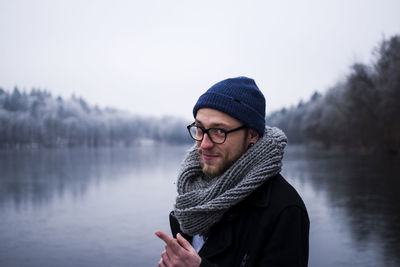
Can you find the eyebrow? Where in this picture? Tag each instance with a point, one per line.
(213, 125)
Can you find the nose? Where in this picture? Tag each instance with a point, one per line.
(206, 142)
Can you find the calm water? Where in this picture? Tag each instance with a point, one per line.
(100, 207)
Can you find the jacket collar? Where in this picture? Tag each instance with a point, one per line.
(175, 228)
(217, 243)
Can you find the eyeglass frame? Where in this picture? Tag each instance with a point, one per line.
(205, 131)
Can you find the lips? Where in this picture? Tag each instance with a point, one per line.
(207, 156)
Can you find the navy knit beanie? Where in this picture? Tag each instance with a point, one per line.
(238, 97)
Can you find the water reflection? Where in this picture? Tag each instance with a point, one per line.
(38, 177)
(361, 194)
(99, 207)
(85, 207)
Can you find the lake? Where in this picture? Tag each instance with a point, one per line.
(100, 207)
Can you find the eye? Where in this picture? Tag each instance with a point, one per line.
(219, 132)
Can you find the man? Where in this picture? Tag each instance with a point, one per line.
(233, 207)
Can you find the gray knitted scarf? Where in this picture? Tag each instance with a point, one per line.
(202, 200)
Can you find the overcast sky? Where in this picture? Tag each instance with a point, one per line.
(157, 57)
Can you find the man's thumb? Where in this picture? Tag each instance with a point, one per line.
(184, 243)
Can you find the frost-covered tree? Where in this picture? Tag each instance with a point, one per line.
(360, 112)
(38, 119)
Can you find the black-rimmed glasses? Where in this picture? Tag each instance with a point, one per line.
(216, 135)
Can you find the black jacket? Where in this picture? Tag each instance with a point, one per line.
(268, 228)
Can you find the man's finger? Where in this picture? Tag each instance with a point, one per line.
(184, 243)
(161, 263)
(172, 243)
(163, 236)
(165, 258)
(173, 253)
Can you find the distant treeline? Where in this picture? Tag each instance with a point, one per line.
(361, 112)
(38, 119)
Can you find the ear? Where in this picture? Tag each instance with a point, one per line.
(252, 137)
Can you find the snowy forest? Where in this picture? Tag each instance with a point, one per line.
(37, 119)
(362, 112)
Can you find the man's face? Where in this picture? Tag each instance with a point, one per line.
(215, 159)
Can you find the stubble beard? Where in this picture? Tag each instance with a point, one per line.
(225, 164)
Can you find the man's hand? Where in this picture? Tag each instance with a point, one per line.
(178, 252)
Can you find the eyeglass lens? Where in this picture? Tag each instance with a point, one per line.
(216, 135)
